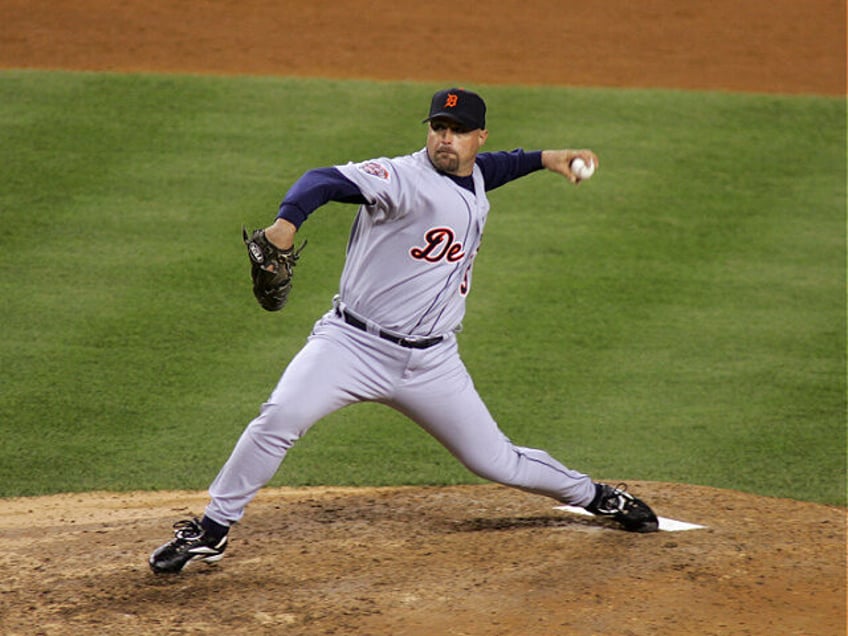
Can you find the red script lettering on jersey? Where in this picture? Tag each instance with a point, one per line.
(440, 245)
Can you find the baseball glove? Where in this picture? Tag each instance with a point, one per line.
(271, 269)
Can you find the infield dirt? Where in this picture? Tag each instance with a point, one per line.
(471, 560)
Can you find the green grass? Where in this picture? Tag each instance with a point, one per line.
(680, 317)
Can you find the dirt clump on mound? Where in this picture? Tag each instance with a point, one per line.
(483, 560)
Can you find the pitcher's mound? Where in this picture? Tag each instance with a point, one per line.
(468, 560)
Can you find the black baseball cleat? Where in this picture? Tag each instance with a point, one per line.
(633, 514)
(190, 543)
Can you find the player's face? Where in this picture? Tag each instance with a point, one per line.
(453, 149)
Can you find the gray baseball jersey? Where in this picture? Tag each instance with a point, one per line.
(408, 265)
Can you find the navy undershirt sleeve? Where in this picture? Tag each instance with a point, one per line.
(314, 189)
(499, 168)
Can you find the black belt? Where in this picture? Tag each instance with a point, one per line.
(409, 343)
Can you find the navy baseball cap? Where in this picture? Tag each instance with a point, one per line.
(464, 107)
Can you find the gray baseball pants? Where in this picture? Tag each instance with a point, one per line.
(341, 365)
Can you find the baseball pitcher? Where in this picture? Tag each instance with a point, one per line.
(390, 335)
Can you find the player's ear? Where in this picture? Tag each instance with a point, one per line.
(484, 135)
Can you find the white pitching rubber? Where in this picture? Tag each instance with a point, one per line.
(668, 525)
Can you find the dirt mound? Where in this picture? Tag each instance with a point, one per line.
(483, 560)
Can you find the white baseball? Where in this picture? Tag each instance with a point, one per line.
(581, 169)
